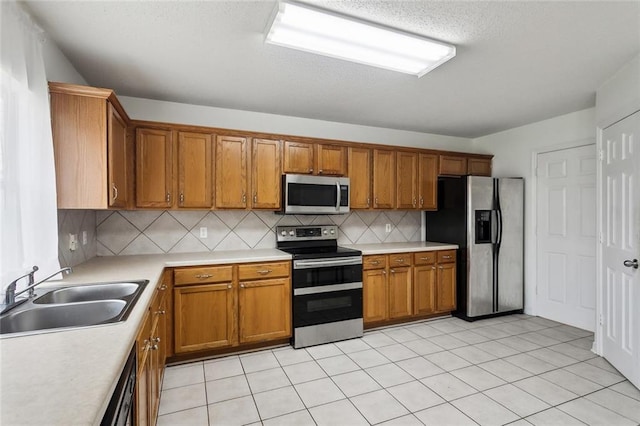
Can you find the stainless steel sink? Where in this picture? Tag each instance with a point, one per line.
(63, 315)
(77, 306)
(86, 293)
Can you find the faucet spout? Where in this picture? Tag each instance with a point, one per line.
(31, 287)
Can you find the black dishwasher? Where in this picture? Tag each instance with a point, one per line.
(120, 410)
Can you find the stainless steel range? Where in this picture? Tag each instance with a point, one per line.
(327, 285)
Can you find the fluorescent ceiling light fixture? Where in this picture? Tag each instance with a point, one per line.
(327, 33)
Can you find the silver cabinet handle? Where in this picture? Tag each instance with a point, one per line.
(425, 258)
(433, 267)
(168, 197)
(368, 201)
(244, 198)
(310, 170)
(421, 201)
(203, 276)
(229, 286)
(631, 263)
(375, 262)
(162, 287)
(161, 312)
(320, 171)
(264, 271)
(414, 202)
(446, 257)
(401, 260)
(255, 198)
(115, 191)
(181, 198)
(375, 201)
(241, 285)
(384, 272)
(393, 271)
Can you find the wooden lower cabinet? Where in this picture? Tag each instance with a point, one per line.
(374, 300)
(424, 289)
(152, 350)
(265, 310)
(400, 289)
(204, 316)
(408, 285)
(230, 305)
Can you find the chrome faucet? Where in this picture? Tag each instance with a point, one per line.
(10, 298)
(10, 295)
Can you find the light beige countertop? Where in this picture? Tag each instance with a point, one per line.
(66, 377)
(386, 248)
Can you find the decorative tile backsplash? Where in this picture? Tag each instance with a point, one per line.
(76, 222)
(149, 232)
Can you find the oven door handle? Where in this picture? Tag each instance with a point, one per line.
(326, 288)
(306, 264)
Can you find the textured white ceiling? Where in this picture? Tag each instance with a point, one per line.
(516, 63)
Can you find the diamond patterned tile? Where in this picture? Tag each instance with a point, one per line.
(232, 242)
(251, 230)
(141, 245)
(378, 226)
(217, 230)
(115, 233)
(166, 231)
(368, 217)
(353, 227)
(141, 219)
(190, 218)
(231, 218)
(368, 237)
(409, 225)
(189, 244)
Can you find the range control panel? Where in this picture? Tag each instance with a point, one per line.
(307, 233)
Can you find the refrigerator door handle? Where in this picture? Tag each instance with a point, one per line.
(499, 233)
(495, 230)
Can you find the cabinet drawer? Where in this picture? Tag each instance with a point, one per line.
(401, 259)
(252, 271)
(210, 274)
(374, 262)
(446, 256)
(424, 258)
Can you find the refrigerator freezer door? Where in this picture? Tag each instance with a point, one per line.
(480, 295)
(511, 259)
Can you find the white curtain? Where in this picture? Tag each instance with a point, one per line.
(28, 212)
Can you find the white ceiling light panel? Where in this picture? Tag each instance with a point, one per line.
(326, 33)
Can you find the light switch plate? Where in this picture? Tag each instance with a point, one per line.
(203, 232)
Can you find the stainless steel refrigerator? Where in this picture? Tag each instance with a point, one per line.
(485, 217)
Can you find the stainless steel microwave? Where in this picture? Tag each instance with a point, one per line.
(305, 194)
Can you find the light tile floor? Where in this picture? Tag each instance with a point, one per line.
(517, 369)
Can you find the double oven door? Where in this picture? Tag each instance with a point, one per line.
(326, 290)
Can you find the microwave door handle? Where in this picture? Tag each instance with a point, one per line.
(338, 195)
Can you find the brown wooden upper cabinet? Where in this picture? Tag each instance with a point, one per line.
(384, 182)
(331, 160)
(154, 168)
(406, 180)
(231, 172)
(195, 170)
(298, 158)
(92, 153)
(479, 166)
(359, 168)
(266, 171)
(460, 165)
(428, 181)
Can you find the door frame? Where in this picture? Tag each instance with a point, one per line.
(533, 208)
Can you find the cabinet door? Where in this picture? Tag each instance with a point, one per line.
(266, 174)
(453, 165)
(479, 166)
(406, 180)
(384, 182)
(298, 157)
(204, 317)
(400, 292)
(265, 310)
(428, 181)
(117, 158)
(331, 160)
(424, 290)
(374, 298)
(154, 168)
(195, 164)
(154, 379)
(231, 172)
(446, 291)
(360, 178)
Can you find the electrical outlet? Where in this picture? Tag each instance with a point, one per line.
(85, 240)
(387, 228)
(73, 242)
(203, 232)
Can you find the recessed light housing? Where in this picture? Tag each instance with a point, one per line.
(327, 33)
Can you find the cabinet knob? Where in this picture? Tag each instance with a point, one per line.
(162, 287)
(440, 267)
(229, 286)
(393, 271)
(433, 267)
(241, 285)
(384, 272)
(115, 191)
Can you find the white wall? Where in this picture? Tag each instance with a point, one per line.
(514, 151)
(198, 115)
(619, 96)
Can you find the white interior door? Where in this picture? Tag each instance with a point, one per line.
(620, 246)
(566, 236)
